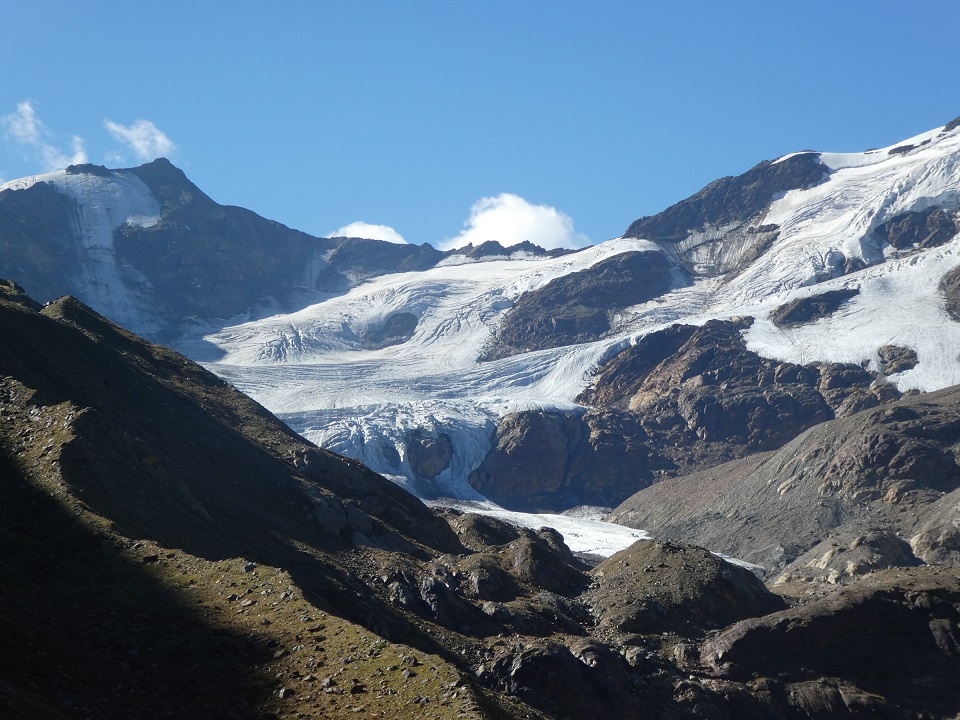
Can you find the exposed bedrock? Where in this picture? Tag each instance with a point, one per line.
(720, 229)
(578, 307)
(927, 228)
(891, 469)
(895, 359)
(429, 455)
(33, 224)
(732, 199)
(808, 309)
(397, 328)
(890, 641)
(950, 289)
(552, 461)
(575, 679)
(681, 398)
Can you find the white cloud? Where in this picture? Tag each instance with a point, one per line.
(28, 131)
(146, 140)
(24, 125)
(361, 229)
(114, 158)
(509, 219)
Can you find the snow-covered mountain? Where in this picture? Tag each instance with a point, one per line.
(409, 359)
(312, 369)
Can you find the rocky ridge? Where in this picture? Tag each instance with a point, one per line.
(682, 398)
(847, 497)
(165, 526)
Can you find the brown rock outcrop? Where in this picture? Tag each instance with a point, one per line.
(891, 468)
(891, 639)
(577, 307)
(681, 398)
(654, 586)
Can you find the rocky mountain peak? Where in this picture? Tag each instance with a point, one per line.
(170, 185)
(732, 200)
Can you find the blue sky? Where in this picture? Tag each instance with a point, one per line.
(558, 121)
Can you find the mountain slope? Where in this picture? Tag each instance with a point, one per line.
(857, 226)
(830, 504)
(149, 249)
(173, 550)
(391, 370)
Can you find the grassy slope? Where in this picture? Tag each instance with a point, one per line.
(134, 488)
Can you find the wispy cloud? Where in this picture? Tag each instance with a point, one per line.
(146, 140)
(25, 129)
(509, 219)
(361, 229)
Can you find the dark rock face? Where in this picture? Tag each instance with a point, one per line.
(492, 248)
(860, 640)
(720, 229)
(712, 390)
(552, 461)
(398, 328)
(211, 260)
(429, 455)
(621, 378)
(950, 289)
(924, 229)
(732, 199)
(201, 259)
(805, 310)
(350, 261)
(654, 586)
(578, 307)
(529, 456)
(582, 680)
(681, 398)
(33, 225)
(895, 359)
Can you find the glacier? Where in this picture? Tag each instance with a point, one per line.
(311, 369)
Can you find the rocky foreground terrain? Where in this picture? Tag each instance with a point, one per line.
(172, 550)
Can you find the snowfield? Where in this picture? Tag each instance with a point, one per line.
(309, 368)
